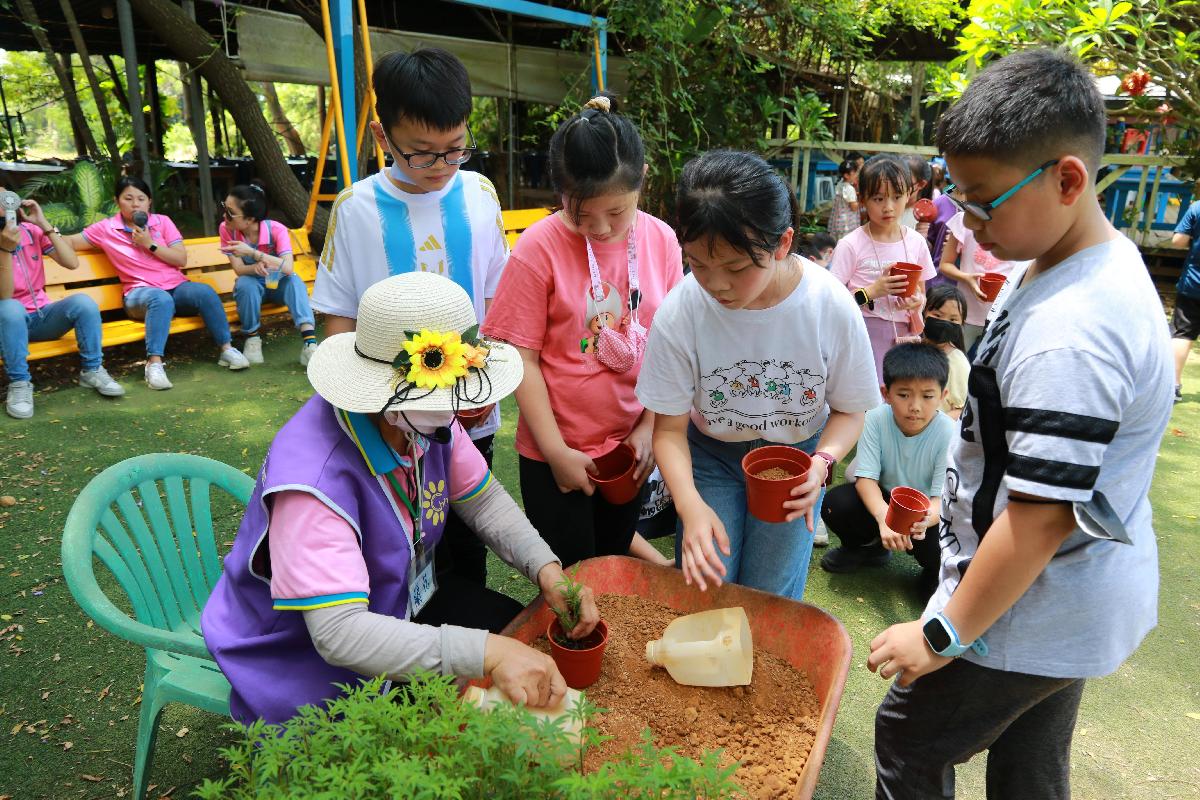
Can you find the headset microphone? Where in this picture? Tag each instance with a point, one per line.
(441, 435)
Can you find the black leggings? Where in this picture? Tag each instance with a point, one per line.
(460, 552)
(462, 602)
(574, 525)
(846, 516)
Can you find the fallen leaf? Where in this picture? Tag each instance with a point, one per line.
(68, 745)
(1193, 715)
(45, 695)
(17, 729)
(103, 693)
(182, 732)
(8, 501)
(93, 778)
(1177, 432)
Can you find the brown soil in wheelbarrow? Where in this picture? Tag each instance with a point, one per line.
(768, 726)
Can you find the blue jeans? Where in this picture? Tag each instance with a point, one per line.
(158, 307)
(769, 556)
(19, 327)
(250, 291)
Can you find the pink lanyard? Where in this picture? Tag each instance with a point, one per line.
(635, 296)
(25, 268)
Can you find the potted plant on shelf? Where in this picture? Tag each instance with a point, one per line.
(578, 659)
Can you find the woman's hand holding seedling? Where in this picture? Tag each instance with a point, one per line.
(698, 557)
(525, 675)
(573, 602)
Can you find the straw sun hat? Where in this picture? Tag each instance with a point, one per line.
(415, 348)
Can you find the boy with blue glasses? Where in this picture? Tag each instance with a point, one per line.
(1045, 498)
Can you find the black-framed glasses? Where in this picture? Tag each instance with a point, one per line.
(452, 158)
(984, 210)
(225, 212)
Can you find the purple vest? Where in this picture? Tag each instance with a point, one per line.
(268, 655)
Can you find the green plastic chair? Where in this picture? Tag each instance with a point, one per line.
(164, 557)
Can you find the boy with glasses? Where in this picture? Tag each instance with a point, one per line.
(421, 214)
(1047, 482)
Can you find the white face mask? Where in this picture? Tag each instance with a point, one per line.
(422, 422)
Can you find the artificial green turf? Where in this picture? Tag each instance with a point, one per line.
(62, 681)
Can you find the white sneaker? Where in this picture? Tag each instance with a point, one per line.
(20, 400)
(253, 350)
(233, 359)
(156, 376)
(102, 382)
(306, 353)
(821, 534)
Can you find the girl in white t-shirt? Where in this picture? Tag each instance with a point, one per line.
(863, 260)
(756, 346)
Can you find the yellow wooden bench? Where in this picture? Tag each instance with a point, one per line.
(206, 263)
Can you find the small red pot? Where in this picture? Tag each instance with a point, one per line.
(924, 210)
(912, 272)
(990, 283)
(614, 475)
(765, 496)
(579, 668)
(470, 417)
(906, 508)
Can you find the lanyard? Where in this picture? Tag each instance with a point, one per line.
(25, 268)
(891, 299)
(631, 262)
(402, 492)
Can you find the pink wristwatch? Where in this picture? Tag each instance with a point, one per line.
(831, 461)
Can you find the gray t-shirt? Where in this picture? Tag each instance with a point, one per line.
(1070, 392)
(771, 373)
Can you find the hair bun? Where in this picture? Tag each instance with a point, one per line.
(600, 103)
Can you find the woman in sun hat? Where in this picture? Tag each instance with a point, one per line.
(331, 575)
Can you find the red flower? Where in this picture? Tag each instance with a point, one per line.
(1134, 84)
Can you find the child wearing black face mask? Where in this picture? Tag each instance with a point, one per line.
(944, 314)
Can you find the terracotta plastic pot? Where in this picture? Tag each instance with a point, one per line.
(470, 417)
(765, 496)
(912, 272)
(580, 668)
(906, 508)
(990, 283)
(924, 210)
(614, 475)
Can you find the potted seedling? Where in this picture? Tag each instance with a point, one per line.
(578, 659)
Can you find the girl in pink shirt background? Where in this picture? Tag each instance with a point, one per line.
(577, 297)
(260, 252)
(147, 251)
(863, 259)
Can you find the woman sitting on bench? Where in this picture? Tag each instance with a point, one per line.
(148, 254)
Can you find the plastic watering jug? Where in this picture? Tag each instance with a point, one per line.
(491, 697)
(712, 648)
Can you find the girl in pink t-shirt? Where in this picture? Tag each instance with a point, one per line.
(863, 260)
(260, 252)
(576, 298)
(148, 254)
(973, 261)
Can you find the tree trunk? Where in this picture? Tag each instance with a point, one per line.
(283, 126)
(192, 44)
(76, 129)
(220, 147)
(118, 87)
(30, 17)
(154, 120)
(918, 93)
(110, 137)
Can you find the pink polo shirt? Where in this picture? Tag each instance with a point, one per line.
(137, 267)
(273, 237)
(29, 273)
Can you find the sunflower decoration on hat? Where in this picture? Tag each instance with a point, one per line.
(416, 347)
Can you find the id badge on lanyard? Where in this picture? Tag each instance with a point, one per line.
(422, 576)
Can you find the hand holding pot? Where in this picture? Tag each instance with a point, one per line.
(640, 441)
(896, 542)
(805, 496)
(893, 283)
(550, 581)
(971, 281)
(923, 229)
(571, 468)
(912, 303)
(698, 557)
(522, 673)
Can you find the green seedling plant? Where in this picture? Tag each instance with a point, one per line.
(568, 615)
(422, 742)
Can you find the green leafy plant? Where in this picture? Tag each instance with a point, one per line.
(422, 742)
(77, 197)
(568, 615)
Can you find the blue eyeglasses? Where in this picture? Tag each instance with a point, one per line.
(984, 210)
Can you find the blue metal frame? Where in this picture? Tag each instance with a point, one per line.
(342, 19)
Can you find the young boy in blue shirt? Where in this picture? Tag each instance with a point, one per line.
(421, 214)
(1047, 483)
(903, 443)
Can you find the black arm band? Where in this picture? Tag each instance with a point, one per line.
(1037, 501)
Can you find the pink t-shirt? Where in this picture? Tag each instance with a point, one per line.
(858, 261)
(973, 260)
(315, 553)
(545, 302)
(137, 267)
(29, 272)
(273, 237)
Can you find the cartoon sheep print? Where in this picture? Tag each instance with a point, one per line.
(779, 388)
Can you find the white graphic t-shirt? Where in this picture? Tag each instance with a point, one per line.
(770, 373)
(376, 231)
